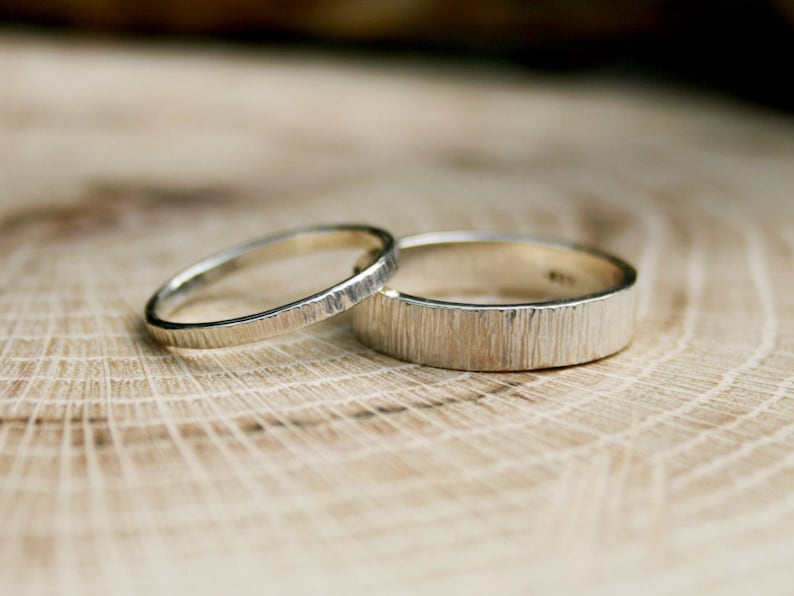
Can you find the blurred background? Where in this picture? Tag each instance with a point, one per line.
(742, 48)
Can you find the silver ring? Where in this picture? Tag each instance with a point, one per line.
(575, 304)
(382, 260)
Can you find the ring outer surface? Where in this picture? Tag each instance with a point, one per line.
(275, 321)
(500, 337)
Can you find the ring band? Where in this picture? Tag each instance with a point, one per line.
(382, 261)
(582, 306)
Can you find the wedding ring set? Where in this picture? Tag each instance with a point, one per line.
(479, 301)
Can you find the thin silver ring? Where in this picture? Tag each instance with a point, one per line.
(591, 312)
(382, 261)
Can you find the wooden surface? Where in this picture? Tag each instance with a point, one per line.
(309, 464)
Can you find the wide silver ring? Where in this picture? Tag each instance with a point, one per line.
(381, 263)
(581, 303)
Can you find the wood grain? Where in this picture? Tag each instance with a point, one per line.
(310, 464)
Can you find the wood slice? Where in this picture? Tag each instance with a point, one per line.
(310, 464)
